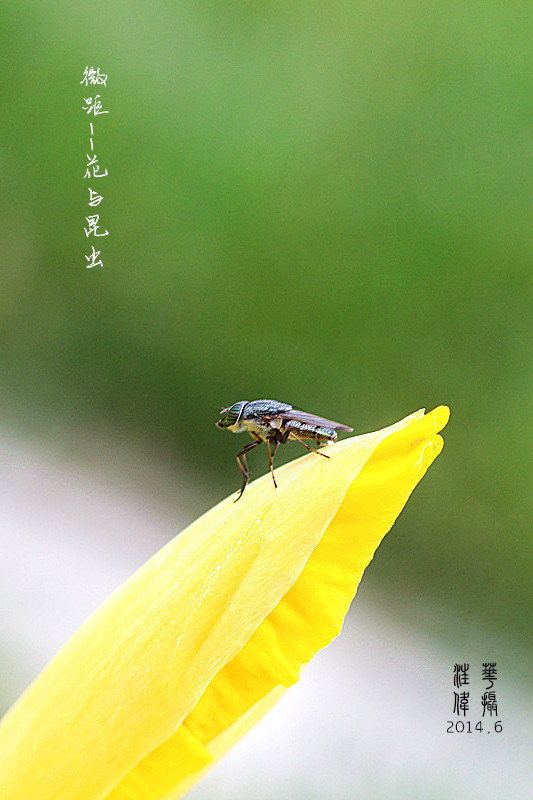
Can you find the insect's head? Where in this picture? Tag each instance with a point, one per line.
(231, 417)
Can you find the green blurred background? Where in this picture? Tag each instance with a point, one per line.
(327, 204)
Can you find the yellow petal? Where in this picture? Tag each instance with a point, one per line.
(181, 660)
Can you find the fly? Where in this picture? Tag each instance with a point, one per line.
(275, 423)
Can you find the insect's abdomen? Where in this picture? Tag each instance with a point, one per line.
(307, 431)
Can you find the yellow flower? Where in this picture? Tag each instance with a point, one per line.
(193, 649)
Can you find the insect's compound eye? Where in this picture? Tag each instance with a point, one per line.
(235, 411)
(229, 416)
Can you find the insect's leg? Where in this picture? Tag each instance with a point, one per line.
(244, 466)
(312, 449)
(271, 460)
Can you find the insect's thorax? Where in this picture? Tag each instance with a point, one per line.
(257, 427)
(259, 418)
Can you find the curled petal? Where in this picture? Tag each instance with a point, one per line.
(199, 643)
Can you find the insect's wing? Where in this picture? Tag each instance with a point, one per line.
(312, 419)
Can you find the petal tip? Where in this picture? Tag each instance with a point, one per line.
(441, 415)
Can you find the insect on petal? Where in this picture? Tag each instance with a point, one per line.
(193, 649)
